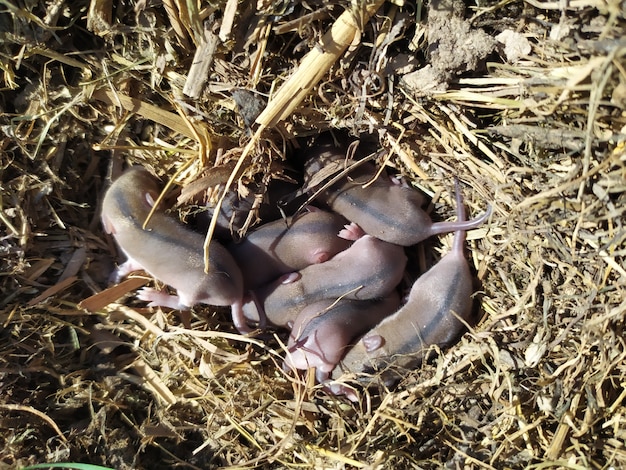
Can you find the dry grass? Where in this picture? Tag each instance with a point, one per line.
(538, 383)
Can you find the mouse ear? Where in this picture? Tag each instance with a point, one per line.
(108, 226)
(150, 199)
(372, 342)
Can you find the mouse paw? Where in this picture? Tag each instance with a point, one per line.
(158, 298)
(124, 270)
(335, 388)
(351, 232)
(398, 180)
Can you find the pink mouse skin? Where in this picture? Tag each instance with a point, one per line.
(282, 247)
(384, 209)
(437, 303)
(369, 269)
(323, 331)
(168, 251)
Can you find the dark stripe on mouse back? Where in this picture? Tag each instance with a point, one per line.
(384, 219)
(425, 334)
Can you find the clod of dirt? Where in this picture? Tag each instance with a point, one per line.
(454, 47)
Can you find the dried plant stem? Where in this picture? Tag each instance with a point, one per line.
(344, 32)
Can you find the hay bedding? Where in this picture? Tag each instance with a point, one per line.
(532, 122)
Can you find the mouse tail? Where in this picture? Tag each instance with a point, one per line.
(461, 217)
(460, 225)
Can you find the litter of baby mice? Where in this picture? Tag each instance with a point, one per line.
(330, 275)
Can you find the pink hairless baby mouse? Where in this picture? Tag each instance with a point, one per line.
(167, 250)
(437, 310)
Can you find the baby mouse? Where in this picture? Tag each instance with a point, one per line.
(167, 250)
(384, 209)
(324, 330)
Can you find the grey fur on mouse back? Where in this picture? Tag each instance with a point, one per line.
(384, 209)
(168, 250)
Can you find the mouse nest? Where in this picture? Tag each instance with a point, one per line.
(523, 101)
